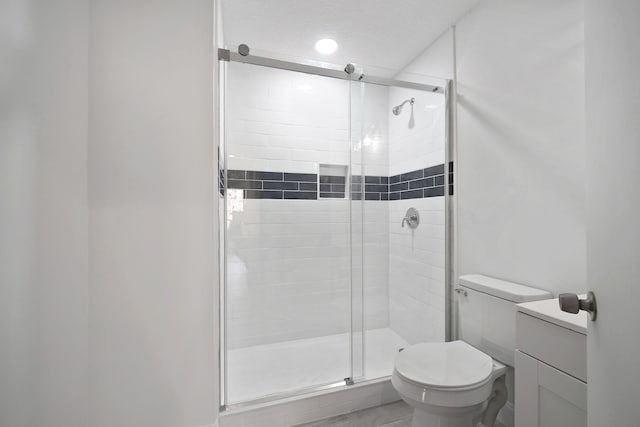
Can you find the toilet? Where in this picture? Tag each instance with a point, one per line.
(463, 383)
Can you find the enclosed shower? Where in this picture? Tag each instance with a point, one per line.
(335, 224)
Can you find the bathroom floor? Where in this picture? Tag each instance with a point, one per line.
(264, 370)
(397, 414)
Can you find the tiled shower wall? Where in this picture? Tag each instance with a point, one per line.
(417, 257)
(288, 259)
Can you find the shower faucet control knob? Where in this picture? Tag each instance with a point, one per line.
(412, 218)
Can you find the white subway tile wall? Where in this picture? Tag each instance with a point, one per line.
(417, 257)
(288, 260)
(288, 270)
(284, 121)
(420, 146)
(417, 271)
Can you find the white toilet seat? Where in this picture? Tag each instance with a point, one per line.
(444, 365)
(446, 375)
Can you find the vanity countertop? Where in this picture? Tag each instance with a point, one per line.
(549, 310)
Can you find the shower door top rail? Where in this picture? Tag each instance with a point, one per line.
(227, 55)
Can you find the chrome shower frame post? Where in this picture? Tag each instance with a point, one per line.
(222, 233)
(349, 69)
(449, 209)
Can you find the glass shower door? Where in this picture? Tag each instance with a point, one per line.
(287, 294)
(399, 286)
(327, 273)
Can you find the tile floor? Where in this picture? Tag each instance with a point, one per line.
(259, 371)
(397, 414)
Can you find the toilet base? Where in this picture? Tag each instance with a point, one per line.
(426, 419)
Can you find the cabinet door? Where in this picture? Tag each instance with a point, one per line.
(547, 397)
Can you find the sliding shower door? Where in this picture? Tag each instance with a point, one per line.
(287, 297)
(399, 157)
(335, 191)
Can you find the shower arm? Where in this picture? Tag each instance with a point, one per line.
(410, 101)
(398, 108)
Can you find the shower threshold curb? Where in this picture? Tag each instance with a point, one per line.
(313, 406)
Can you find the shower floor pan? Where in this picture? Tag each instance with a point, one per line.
(266, 370)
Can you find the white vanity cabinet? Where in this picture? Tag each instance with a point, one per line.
(550, 366)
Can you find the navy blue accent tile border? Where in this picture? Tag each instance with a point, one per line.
(330, 179)
(245, 184)
(428, 182)
(375, 187)
(235, 174)
(331, 195)
(372, 179)
(400, 186)
(411, 175)
(273, 185)
(451, 178)
(412, 194)
(261, 194)
(434, 192)
(221, 183)
(305, 177)
(308, 195)
(281, 185)
(263, 176)
(332, 187)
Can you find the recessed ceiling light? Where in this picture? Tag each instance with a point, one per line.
(304, 87)
(326, 46)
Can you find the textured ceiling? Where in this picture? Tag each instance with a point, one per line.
(380, 34)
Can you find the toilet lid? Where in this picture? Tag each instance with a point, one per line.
(444, 365)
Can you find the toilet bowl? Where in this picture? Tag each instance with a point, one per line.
(462, 383)
(449, 384)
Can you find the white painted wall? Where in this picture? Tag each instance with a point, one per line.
(107, 291)
(612, 62)
(434, 64)
(521, 178)
(521, 166)
(43, 213)
(152, 204)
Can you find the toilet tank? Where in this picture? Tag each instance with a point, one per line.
(487, 313)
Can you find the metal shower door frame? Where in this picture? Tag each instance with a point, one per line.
(225, 56)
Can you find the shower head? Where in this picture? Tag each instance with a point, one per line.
(398, 108)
